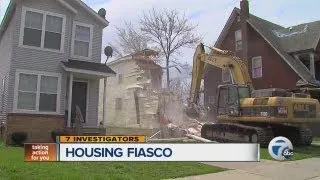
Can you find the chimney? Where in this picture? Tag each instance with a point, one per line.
(244, 16)
(244, 9)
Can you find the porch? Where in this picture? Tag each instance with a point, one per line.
(82, 93)
(79, 87)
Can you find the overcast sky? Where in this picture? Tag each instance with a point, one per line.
(210, 15)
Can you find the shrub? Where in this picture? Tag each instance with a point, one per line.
(19, 138)
(56, 133)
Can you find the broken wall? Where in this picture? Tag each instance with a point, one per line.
(125, 115)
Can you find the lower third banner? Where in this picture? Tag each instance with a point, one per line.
(158, 152)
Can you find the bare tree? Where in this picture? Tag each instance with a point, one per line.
(170, 31)
(129, 40)
(182, 83)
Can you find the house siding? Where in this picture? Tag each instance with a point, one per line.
(93, 103)
(83, 17)
(6, 53)
(213, 75)
(275, 73)
(39, 60)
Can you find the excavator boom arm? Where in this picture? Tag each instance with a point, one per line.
(220, 59)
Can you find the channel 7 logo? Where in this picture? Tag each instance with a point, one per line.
(280, 148)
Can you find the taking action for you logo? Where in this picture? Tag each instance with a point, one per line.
(280, 148)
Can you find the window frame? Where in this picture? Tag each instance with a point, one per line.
(39, 74)
(253, 68)
(43, 30)
(90, 26)
(237, 48)
(223, 77)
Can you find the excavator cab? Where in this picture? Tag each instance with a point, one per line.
(229, 96)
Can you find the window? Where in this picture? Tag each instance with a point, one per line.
(82, 40)
(226, 76)
(244, 92)
(53, 32)
(238, 40)
(118, 103)
(257, 67)
(42, 29)
(37, 92)
(120, 78)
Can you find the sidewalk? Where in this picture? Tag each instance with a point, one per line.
(265, 170)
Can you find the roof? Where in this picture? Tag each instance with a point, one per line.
(12, 4)
(88, 66)
(283, 40)
(146, 56)
(306, 34)
(147, 64)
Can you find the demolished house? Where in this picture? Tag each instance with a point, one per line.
(133, 94)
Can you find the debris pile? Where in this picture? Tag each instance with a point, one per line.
(190, 126)
(175, 123)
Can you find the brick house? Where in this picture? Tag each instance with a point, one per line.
(50, 54)
(277, 57)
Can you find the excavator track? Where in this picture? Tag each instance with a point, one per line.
(242, 133)
(237, 133)
(298, 135)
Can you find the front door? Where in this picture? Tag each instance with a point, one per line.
(79, 98)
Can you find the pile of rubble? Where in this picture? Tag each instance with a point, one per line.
(190, 126)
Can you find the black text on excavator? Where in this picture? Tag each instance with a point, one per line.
(245, 115)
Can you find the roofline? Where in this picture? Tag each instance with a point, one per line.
(278, 52)
(119, 60)
(11, 6)
(126, 59)
(68, 6)
(91, 11)
(6, 19)
(84, 71)
(226, 28)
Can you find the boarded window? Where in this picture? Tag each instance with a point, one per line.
(120, 79)
(238, 40)
(226, 76)
(118, 103)
(257, 67)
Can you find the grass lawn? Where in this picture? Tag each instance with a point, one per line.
(298, 153)
(316, 138)
(12, 166)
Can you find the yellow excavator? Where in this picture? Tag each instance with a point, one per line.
(245, 115)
